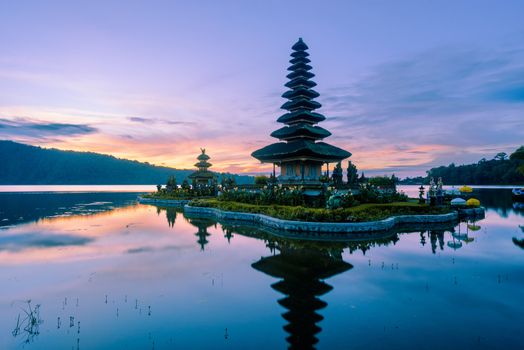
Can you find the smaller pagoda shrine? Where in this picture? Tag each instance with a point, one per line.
(202, 177)
(203, 225)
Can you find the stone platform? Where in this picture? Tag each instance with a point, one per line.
(276, 224)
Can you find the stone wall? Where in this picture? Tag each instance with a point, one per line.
(324, 227)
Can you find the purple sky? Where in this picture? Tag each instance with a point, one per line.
(405, 85)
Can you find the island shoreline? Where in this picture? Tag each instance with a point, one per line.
(331, 227)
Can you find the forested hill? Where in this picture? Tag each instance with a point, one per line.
(501, 170)
(485, 172)
(29, 165)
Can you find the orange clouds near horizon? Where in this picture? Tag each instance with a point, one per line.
(235, 158)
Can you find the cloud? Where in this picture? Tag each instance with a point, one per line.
(149, 249)
(426, 109)
(23, 128)
(19, 242)
(458, 99)
(141, 120)
(157, 121)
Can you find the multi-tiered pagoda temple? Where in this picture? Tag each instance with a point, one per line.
(202, 177)
(300, 154)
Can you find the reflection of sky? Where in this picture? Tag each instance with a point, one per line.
(455, 298)
(181, 284)
(405, 86)
(77, 188)
(418, 300)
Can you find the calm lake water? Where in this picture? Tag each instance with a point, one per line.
(99, 271)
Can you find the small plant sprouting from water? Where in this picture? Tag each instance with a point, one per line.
(28, 323)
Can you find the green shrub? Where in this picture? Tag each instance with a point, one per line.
(360, 213)
(261, 180)
(266, 196)
(171, 191)
(369, 193)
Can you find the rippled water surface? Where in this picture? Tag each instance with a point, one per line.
(99, 271)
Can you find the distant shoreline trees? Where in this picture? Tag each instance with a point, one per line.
(501, 170)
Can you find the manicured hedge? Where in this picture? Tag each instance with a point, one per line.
(165, 195)
(360, 213)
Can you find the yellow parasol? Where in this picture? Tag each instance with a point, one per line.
(473, 202)
(466, 189)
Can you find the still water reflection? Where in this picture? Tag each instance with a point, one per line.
(97, 270)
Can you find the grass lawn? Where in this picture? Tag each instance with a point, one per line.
(360, 213)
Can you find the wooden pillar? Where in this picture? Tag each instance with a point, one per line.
(302, 170)
(274, 173)
(327, 165)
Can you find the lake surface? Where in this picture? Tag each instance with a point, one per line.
(99, 271)
(77, 188)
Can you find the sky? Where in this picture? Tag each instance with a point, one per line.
(405, 85)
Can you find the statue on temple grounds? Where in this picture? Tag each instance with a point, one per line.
(421, 194)
(432, 187)
(335, 201)
(337, 175)
(439, 197)
(432, 191)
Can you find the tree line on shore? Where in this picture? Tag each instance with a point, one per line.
(501, 170)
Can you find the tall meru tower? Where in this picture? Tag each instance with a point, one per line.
(300, 154)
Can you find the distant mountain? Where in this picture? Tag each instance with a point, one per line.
(29, 165)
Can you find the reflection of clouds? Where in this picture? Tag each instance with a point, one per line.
(27, 240)
(129, 230)
(150, 249)
(27, 207)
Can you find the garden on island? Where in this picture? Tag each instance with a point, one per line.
(303, 191)
(366, 199)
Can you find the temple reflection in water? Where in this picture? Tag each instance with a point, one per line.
(203, 224)
(295, 293)
(302, 266)
(171, 214)
(302, 271)
(519, 242)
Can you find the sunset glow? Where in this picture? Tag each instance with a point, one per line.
(156, 84)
